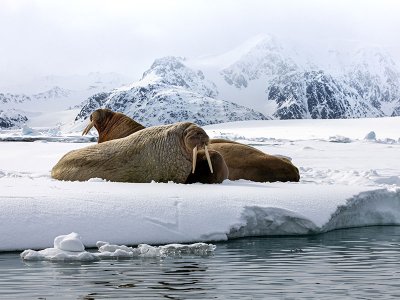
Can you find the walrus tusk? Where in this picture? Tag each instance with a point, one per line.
(208, 158)
(194, 159)
(87, 129)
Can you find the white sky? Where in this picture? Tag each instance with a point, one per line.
(63, 37)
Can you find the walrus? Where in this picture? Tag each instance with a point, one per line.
(246, 162)
(243, 161)
(160, 153)
(111, 125)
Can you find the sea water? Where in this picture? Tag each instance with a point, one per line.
(362, 263)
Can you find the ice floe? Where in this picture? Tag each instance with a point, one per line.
(342, 185)
(70, 248)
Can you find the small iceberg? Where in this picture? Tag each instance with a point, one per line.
(70, 248)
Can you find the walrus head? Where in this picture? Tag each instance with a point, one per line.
(99, 119)
(196, 138)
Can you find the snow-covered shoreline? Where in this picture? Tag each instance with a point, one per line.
(344, 183)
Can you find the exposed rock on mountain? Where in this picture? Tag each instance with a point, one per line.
(170, 92)
(11, 118)
(258, 80)
(60, 93)
(361, 83)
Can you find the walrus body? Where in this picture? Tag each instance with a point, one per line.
(243, 161)
(159, 153)
(246, 162)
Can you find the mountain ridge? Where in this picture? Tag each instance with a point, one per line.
(261, 79)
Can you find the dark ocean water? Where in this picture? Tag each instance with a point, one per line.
(362, 263)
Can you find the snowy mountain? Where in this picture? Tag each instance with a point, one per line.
(277, 81)
(261, 79)
(369, 87)
(10, 118)
(170, 92)
(57, 93)
(79, 82)
(23, 99)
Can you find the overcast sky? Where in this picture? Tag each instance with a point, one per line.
(79, 36)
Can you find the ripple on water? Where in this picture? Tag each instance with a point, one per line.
(353, 263)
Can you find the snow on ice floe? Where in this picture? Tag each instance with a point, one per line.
(354, 129)
(342, 185)
(158, 213)
(70, 248)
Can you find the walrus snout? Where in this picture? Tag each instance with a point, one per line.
(98, 119)
(92, 122)
(196, 138)
(88, 127)
(195, 150)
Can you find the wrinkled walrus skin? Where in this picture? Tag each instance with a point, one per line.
(243, 161)
(159, 153)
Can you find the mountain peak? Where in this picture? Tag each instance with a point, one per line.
(173, 71)
(221, 61)
(164, 65)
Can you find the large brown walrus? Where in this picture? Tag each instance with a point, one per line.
(112, 125)
(243, 161)
(160, 153)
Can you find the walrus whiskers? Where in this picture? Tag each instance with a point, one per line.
(88, 127)
(208, 158)
(194, 160)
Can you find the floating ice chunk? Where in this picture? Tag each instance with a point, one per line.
(66, 248)
(198, 249)
(388, 141)
(54, 254)
(371, 136)
(26, 130)
(70, 242)
(106, 250)
(149, 251)
(339, 139)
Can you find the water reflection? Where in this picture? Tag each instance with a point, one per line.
(353, 263)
